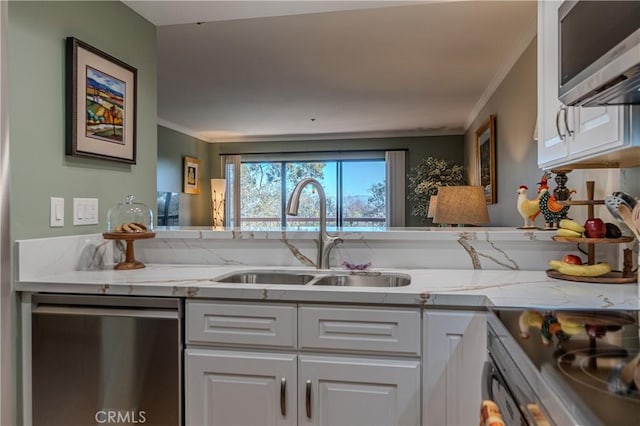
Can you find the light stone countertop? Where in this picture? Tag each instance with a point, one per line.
(429, 287)
(456, 268)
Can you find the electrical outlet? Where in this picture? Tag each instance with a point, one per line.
(85, 211)
(56, 212)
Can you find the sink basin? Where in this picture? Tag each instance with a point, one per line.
(304, 278)
(266, 277)
(383, 280)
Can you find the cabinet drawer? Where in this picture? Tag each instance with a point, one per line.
(360, 329)
(241, 324)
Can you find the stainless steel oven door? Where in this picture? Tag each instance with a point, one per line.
(495, 389)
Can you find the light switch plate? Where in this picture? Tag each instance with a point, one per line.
(56, 212)
(85, 211)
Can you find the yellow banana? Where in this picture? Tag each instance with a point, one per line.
(528, 319)
(571, 225)
(585, 270)
(572, 328)
(563, 232)
(555, 264)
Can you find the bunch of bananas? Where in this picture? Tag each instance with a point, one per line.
(570, 228)
(580, 270)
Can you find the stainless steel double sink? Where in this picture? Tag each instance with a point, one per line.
(322, 278)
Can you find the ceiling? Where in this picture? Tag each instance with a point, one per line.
(232, 71)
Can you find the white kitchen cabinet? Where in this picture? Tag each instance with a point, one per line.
(234, 388)
(357, 391)
(569, 135)
(552, 139)
(348, 365)
(453, 357)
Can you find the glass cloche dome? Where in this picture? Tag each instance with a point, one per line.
(130, 216)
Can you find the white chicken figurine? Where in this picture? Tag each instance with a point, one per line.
(528, 209)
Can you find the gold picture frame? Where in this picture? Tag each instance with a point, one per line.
(191, 175)
(486, 159)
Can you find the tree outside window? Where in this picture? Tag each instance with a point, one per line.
(355, 192)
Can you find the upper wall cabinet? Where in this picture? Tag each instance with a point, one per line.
(574, 135)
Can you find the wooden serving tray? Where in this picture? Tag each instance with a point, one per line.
(613, 277)
(602, 318)
(620, 240)
(128, 236)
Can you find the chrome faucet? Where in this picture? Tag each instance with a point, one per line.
(325, 241)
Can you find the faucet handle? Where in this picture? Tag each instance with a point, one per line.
(329, 243)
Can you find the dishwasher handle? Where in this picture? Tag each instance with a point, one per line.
(111, 312)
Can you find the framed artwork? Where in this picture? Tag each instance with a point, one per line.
(100, 104)
(191, 175)
(486, 159)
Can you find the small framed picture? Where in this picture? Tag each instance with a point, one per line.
(486, 159)
(191, 175)
(100, 103)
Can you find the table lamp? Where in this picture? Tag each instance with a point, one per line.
(461, 205)
(433, 202)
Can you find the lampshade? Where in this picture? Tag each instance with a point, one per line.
(218, 187)
(433, 202)
(461, 205)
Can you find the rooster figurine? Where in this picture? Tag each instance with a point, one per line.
(551, 209)
(528, 209)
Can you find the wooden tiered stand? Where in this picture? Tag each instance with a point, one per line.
(614, 277)
(130, 261)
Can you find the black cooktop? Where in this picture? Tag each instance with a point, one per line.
(582, 355)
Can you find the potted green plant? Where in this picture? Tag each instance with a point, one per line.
(426, 177)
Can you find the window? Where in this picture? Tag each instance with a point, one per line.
(355, 190)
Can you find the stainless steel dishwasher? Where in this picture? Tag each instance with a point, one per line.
(106, 360)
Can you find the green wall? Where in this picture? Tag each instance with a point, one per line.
(39, 167)
(172, 148)
(170, 160)
(514, 102)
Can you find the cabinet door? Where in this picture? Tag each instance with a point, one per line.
(341, 391)
(233, 388)
(596, 129)
(552, 134)
(454, 354)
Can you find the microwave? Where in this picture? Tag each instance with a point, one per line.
(599, 52)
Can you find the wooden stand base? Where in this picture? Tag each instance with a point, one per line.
(129, 265)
